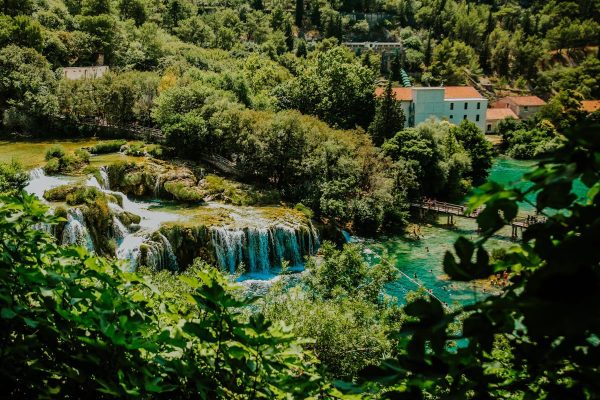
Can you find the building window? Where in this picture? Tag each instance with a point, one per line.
(464, 117)
(451, 107)
(526, 108)
(451, 116)
(466, 105)
(477, 118)
(489, 128)
(478, 105)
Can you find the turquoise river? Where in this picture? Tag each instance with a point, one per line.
(421, 260)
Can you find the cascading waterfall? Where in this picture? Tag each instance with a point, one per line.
(261, 248)
(228, 247)
(76, 232)
(153, 250)
(119, 230)
(36, 173)
(157, 185)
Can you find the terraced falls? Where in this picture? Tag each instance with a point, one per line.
(132, 212)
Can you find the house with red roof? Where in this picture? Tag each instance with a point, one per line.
(494, 115)
(450, 103)
(523, 106)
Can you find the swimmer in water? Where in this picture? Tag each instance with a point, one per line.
(427, 249)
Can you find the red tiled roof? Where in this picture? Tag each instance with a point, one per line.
(461, 92)
(450, 92)
(590, 105)
(495, 114)
(525, 100)
(400, 93)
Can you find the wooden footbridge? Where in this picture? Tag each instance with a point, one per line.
(452, 210)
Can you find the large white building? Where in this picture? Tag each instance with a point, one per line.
(450, 103)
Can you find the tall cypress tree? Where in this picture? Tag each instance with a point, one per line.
(389, 117)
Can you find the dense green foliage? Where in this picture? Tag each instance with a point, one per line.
(340, 305)
(12, 178)
(75, 325)
(442, 158)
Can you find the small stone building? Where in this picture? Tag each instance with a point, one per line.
(523, 106)
(85, 72)
(494, 115)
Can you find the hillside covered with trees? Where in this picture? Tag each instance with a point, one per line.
(258, 112)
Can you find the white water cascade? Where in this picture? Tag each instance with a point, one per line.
(76, 232)
(256, 242)
(39, 182)
(102, 183)
(261, 248)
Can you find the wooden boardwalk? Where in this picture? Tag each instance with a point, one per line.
(452, 210)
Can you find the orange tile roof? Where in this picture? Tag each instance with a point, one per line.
(461, 92)
(495, 114)
(450, 92)
(590, 105)
(400, 93)
(525, 100)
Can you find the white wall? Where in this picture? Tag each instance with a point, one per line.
(472, 113)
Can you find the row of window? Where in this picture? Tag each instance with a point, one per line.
(465, 117)
(466, 106)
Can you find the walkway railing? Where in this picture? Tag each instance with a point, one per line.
(451, 210)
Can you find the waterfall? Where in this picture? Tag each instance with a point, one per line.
(39, 182)
(102, 183)
(105, 184)
(156, 191)
(36, 173)
(153, 250)
(228, 247)
(261, 248)
(75, 231)
(119, 230)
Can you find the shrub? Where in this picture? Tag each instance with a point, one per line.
(12, 178)
(55, 152)
(112, 146)
(52, 166)
(83, 195)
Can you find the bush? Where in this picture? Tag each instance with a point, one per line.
(52, 166)
(83, 195)
(182, 190)
(12, 178)
(55, 152)
(112, 146)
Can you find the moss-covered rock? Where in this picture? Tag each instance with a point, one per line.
(189, 243)
(128, 218)
(59, 193)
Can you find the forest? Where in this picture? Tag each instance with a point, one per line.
(261, 106)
